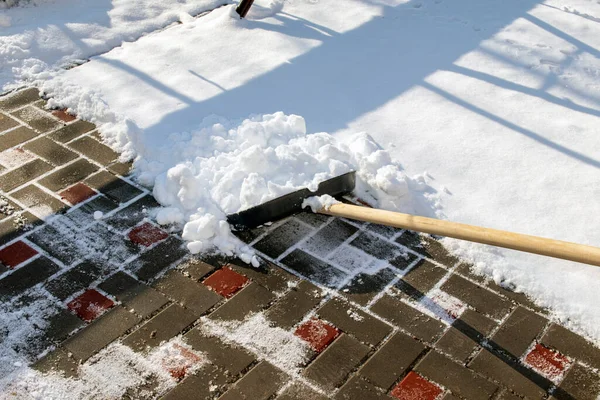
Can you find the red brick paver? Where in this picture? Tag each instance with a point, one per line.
(226, 282)
(147, 234)
(549, 363)
(89, 305)
(179, 361)
(415, 387)
(318, 333)
(63, 115)
(16, 253)
(77, 193)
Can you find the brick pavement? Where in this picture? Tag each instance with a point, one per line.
(420, 327)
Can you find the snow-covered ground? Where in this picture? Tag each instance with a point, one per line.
(495, 103)
(38, 35)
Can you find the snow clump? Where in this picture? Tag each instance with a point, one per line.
(225, 166)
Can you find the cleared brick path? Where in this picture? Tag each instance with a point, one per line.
(422, 327)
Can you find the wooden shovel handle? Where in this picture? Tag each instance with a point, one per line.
(510, 240)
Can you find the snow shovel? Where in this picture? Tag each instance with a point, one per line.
(291, 203)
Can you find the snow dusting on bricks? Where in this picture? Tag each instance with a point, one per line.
(120, 276)
(146, 234)
(317, 333)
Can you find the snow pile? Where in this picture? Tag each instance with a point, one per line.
(280, 347)
(41, 35)
(225, 167)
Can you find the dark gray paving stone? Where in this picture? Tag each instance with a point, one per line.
(50, 151)
(96, 242)
(519, 298)
(505, 395)
(314, 269)
(122, 169)
(142, 299)
(355, 322)
(16, 137)
(249, 235)
(68, 175)
(459, 379)
(37, 119)
(420, 279)
(7, 122)
(465, 334)
(282, 238)
(433, 249)
(26, 277)
(72, 131)
(572, 345)
(133, 214)
(231, 359)
(260, 383)
(294, 305)
(58, 361)
(331, 367)
(298, 391)
(205, 383)
(580, 383)
(386, 231)
(392, 360)
(17, 225)
(383, 250)
(95, 150)
(476, 296)
(311, 218)
(39, 201)
(510, 374)
(100, 333)
(146, 301)
(358, 388)
(165, 325)
(187, 292)
(113, 187)
(268, 275)
(25, 173)
(408, 318)
(329, 238)
(61, 325)
(57, 244)
(74, 280)
(195, 269)
(98, 203)
(19, 99)
(157, 259)
(465, 271)
(253, 298)
(518, 332)
(363, 287)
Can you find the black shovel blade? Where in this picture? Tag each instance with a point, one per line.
(290, 203)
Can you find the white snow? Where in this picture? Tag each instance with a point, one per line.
(317, 203)
(498, 101)
(98, 215)
(280, 347)
(38, 35)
